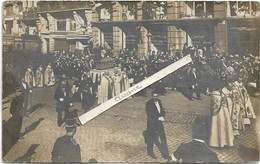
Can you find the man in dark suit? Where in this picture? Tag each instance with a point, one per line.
(197, 150)
(62, 98)
(66, 149)
(25, 93)
(16, 110)
(155, 130)
(87, 96)
(194, 84)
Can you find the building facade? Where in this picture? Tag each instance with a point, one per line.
(144, 26)
(64, 26)
(166, 26)
(19, 25)
(11, 26)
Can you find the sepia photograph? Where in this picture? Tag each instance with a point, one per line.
(130, 81)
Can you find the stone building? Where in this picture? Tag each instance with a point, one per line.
(64, 25)
(144, 26)
(11, 27)
(19, 25)
(166, 26)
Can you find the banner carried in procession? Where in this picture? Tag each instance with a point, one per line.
(134, 89)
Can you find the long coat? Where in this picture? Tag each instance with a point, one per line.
(16, 109)
(25, 90)
(221, 133)
(66, 149)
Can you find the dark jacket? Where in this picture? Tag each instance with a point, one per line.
(16, 107)
(25, 90)
(66, 150)
(195, 151)
(153, 114)
(62, 105)
(192, 79)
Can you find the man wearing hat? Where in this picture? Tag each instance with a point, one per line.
(197, 150)
(155, 130)
(66, 149)
(16, 110)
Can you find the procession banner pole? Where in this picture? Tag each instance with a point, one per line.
(134, 89)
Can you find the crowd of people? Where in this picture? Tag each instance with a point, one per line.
(198, 77)
(225, 77)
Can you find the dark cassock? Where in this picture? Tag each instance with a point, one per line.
(87, 96)
(66, 149)
(16, 110)
(75, 90)
(155, 129)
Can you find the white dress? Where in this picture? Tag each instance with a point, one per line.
(117, 79)
(221, 132)
(49, 78)
(29, 78)
(39, 77)
(124, 82)
(103, 89)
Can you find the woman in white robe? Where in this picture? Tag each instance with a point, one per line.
(39, 77)
(49, 78)
(103, 88)
(221, 133)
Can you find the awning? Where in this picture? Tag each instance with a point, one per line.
(78, 37)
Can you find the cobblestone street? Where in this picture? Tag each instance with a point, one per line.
(117, 135)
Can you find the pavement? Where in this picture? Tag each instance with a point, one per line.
(117, 134)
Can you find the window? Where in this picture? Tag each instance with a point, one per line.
(9, 26)
(209, 9)
(255, 11)
(61, 25)
(243, 8)
(154, 10)
(9, 10)
(199, 9)
(189, 9)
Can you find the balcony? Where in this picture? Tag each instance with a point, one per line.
(31, 14)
